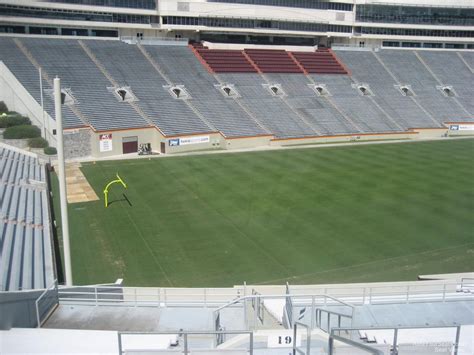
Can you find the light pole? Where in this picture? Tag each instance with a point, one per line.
(42, 102)
(62, 181)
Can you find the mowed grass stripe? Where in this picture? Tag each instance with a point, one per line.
(349, 213)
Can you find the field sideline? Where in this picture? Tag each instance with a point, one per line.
(344, 214)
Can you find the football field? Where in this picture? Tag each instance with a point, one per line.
(354, 213)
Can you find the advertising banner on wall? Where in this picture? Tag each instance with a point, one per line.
(105, 142)
(188, 140)
(461, 127)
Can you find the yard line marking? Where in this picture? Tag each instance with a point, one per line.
(271, 257)
(362, 264)
(146, 243)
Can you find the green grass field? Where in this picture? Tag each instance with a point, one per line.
(347, 214)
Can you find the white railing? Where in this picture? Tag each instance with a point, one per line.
(147, 296)
(352, 337)
(420, 291)
(154, 40)
(353, 47)
(46, 303)
(310, 302)
(135, 342)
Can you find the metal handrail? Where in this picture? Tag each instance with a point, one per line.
(396, 329)
(38, 316)
(237, 300)
(318, 316)
(308, 338)
(185, 335)
(354, 343)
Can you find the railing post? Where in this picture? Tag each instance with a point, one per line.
(120, 342)
(370, 295)
(312, 311)
(444, 292)
(295, 326)
(363, 295)
(331, 345)
(205, 297)
(158, 293)
(251, 344)
(164, 295)
(57, 290)
(308, 341)
(135, 295)
(408, 293)
(255, 311)
(185, 335)
(246, 316)
(96, 297)
(395, 341)
(456, 344)
(38, 320)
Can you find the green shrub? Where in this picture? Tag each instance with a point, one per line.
(50, 151)
(20, 132)
(3, 107)
(14, 120)
(38, 142)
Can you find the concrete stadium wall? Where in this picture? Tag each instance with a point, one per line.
(430, 132)
(18, 309)
(77, 143)
(145, 135)
(250, 142)
(344, 138)
(18, 99)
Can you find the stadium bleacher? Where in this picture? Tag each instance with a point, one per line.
(92, 69)
(181, 66)
(26, 260)
(408, 69)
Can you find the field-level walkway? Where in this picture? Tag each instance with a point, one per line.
(357, 213)
(78, 188)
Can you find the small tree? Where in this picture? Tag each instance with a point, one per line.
(14, 120)
(50, 151)
(38, 142)
(21, 132)
(3, 107)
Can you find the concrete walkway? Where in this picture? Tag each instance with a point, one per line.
(78, 188)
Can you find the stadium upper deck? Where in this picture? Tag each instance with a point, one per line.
(432, 24)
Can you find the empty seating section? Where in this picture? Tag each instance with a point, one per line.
(320, 62)
(295, 111)
(28, 75)
(129, 67)
(408, 69)
(361, 110)
(468, 58)
(452, 71)
(182, 67)
(68, 60)
(225, 61)
(26, 260)
(273, 61)
(315, 110)
(271, 111)
(402, 109)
